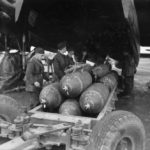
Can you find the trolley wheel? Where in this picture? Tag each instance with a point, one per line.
(119, 130)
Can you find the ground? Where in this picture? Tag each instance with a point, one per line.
(139, 103)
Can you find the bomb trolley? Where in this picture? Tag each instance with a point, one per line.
(111, 130)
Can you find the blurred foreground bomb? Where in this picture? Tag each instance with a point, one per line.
(50, 96)
(101, 70)
(73, 84)
(94, 98)
(110, 80)
(70, 107)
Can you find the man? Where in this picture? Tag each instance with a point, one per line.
(72, 56)
(61, 60)
(84, 55)
(128, 71)
(35, 74)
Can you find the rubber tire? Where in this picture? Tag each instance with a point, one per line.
(9, 108)
(114, 126)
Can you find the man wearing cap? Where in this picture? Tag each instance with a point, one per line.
(35, 73)
(61, 60)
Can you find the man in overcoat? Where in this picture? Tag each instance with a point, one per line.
(35, 74)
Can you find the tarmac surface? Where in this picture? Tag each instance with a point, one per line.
(139, 103)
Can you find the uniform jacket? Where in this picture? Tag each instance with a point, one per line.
(34, 72)
(61, 62)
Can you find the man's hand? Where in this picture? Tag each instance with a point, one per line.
(36, 84)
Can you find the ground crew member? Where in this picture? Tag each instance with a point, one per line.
(61, 60)
(35, 74)
(128, 71)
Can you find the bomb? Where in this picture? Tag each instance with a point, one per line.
(94, 98)
(110, 80)
(101, 70)
(70, 107)
(72, 85)
(51, 97)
